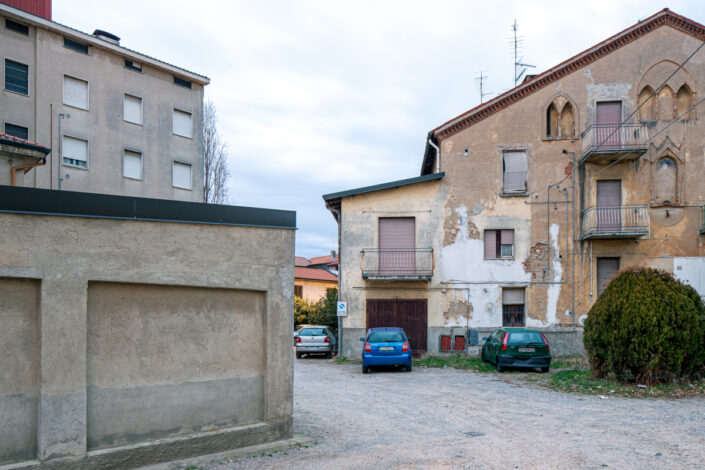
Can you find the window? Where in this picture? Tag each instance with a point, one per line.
(666, 181)
(17, 131)
(132, 109)
(397, 243)
(606, 269)
(132, 164)
(75, 92)
(646, 104)
(17, 27)
(136, 66)
(75, 46)
(299, 291)
(499, 244)
(684, 101)
(515, 167)
(513, 307)
(74, 152)
(182, 123)
(16, 77)
(182, 82)
(181, 176)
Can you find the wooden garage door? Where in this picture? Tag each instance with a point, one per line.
(408, 314)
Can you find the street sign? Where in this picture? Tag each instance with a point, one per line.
(342, 309)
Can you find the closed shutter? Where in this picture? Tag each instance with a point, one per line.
(515, 166)
(606, 268)
(490, 244)
(75, 92)
(132, 165)
(182, 123)
(397, 243)
(609, 205)
(608, 118)
(182, 175)
(133, 109)
(75, 152)
(513, 296)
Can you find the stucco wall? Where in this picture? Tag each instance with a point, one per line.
(313, 291)
(148, 330)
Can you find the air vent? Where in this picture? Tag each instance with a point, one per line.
(106, 36)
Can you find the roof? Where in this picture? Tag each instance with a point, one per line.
(328, 259)
(664, 17)
(301, 261)
(333, 199)
(22, 143)
(94, 41)
(314, 274)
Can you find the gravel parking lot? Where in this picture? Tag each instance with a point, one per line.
(451, 419)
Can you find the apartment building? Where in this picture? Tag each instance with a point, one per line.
(528, 204)
(117, 121)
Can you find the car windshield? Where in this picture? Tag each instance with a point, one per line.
(313, 332)
(525, 337)
(385, 337)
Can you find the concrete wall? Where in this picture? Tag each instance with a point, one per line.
(102, 124)
(149, 330)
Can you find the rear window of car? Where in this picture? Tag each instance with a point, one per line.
(385, 337)
(312, 332)
(524, 337)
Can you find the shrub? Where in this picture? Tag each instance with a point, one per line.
(326, 312)
(648, 327)
(304, 310)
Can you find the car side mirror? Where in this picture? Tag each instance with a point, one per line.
(362, 339)
(484, 338)
(408, 338)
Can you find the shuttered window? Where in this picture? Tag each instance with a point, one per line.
(17, 131)
(515, 168)
(74, 152)
(513, 307)
(182, 123)
(132, 165)
(397, 243)
(499, 244)
(132, 109)
(75, 92)
(606, 268)
(181, 175)
(16, 77)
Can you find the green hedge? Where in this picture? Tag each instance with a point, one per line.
(648, 327)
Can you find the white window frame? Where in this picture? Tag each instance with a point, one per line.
(88, 152)
(124, 152)
(173, 166)
(63, 92)
(173, 127)
(124, 102)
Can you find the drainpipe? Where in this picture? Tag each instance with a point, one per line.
(26, 168)
(438, 155)
(61, 143)
(338, 216)
(572, 276)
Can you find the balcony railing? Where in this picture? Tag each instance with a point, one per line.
(397, 264)
(606, 139)
(615, 222)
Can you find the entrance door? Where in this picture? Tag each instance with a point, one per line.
(411, 315)
(607, 130)
(397, 243)
(609, 206)
(606, 268)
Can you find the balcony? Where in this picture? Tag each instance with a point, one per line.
(397, 264)
(615, 222)
(608, 142)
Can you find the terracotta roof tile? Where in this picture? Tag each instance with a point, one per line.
(11, 139)
(324, 260)
(314, 274)
(301, 261)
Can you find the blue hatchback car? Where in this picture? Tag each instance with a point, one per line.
(386, 347)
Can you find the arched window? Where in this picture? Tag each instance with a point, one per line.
(646, 110)
(684, 100)
(567, 119)
(666, 180)
(552, 121)
(666, 110)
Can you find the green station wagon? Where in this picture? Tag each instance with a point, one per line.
(517, 347)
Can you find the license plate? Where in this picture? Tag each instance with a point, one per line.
(527, 349)
(386, 348)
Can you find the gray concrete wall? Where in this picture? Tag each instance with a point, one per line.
(148, 330)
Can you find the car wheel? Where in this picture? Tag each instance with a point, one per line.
(484, 359)
(365, 369)
(500, 368)
(329, 354)
(544, 369)
(298, 355)
(408, 368)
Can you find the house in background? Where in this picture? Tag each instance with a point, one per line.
(528, 204)
(314, 277)
(120, 122)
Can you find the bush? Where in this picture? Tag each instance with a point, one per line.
(303, 310)
(326, 312)
(648, 327)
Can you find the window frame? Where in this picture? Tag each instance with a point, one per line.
(522, 305)
(75, 46)
(5, 72)
(124, 152)
(300, 290)
(16, 126)
(173, 128)
(124, 101)
(525, 191)
(63, 92)
(499, 244)
(63, 149)
(183, 83)
(19, 29)
(182, 162)
(130, 65)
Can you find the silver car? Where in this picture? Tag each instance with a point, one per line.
(314, 339)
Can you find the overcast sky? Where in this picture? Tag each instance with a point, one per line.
(315, 97)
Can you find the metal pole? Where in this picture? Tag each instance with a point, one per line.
(573, 243)
(61, 141)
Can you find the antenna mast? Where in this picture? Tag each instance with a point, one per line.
(519, 67)
(481, 82)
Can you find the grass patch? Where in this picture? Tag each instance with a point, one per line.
(581, 381)
(456, 361)
(345, 360)
(570, 362)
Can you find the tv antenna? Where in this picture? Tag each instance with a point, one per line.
(481, 83)
(519, 66)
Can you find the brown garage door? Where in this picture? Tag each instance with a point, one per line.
(408, 314)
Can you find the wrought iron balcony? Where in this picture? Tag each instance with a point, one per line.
(615, 222)
(397, 264)
(608, 142)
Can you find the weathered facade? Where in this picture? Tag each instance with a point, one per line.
(547, 191)
(137, 331)
(118, 121)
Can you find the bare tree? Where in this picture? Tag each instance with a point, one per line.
(215, 161)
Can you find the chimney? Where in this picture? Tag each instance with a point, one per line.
(106, 36)
(332, 254)
(36, 7)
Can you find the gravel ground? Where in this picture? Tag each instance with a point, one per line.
(451, 419)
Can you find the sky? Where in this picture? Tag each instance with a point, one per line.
(315, 97)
